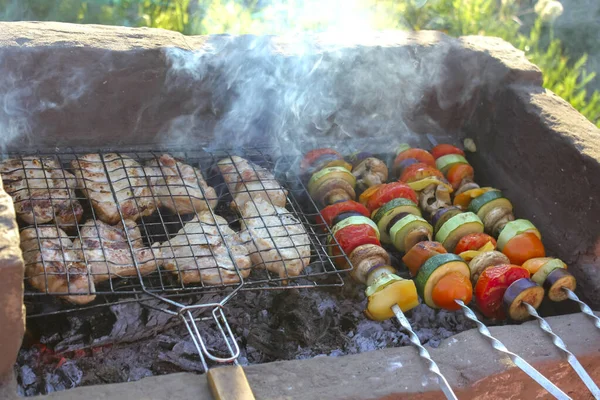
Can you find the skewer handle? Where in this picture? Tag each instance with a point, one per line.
(573, 361)
(517, 360)
(432, 366)
(584, 307)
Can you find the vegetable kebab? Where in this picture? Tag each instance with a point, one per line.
(518, 239)
(357, 235)
(448, 277)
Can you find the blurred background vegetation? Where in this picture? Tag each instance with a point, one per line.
(529, 25)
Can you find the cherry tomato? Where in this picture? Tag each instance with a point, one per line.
(330, 212)
(473, 241)
(420, 155)
(349, 238)
(416, 172)
(420, 253)
(444, 149)
(492, 284)
(524, 247)
(452, 286)
(388, 192)
(458, 172)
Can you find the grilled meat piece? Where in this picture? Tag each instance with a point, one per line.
(179, 187)
(247, 180)
(125, 177)
(198, 253)
(52, 265)
(275, 239)
(41, 190)
(108, 254)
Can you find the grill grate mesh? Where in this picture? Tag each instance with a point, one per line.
(138, 249)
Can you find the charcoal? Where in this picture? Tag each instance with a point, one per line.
(27, 375)
(137, 373)
(269, 326)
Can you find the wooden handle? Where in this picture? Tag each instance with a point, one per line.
(229, 383)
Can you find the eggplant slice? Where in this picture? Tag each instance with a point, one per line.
(521, 291)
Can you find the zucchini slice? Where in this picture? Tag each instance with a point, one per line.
(496, 203)
(521, 291)
(327, 173)
(444, 163)
(514, 228)
(457, 227)
(540, 276)
(433, 270)
(389, 210)
(483, 199)
(442, 215)
(557, 280)
(402, 147)
(463, 200)
(402, 228)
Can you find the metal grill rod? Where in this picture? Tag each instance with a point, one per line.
(583, 307)
(517, 360)
(575, 364)
(432, 366)
(228, 337)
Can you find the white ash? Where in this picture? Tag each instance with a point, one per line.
(268, 326)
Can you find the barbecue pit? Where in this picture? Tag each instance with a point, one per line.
(184, 95)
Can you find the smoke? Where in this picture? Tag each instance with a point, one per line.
(306, 90)
(30, 86)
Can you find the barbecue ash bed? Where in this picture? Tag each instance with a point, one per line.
(142, 275)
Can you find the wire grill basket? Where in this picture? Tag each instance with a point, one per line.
(157, 226)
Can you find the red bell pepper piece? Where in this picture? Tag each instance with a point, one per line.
(420, 155)
(473, 241)
(491, 286)
(416, 172)
(388, 192)
(330, 212)
(349, 238)
(444, 149)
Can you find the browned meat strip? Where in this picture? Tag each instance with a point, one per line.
(198, 253)
(99, 176)
(247, 180)
(41, 190)
(53, 266)
(179, 187)
(108, 253)
(274, 237)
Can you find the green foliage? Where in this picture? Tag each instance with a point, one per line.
(567, 78)
(512, 20)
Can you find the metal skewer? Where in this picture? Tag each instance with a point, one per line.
(517, 360)
(584, 307)
(573, 361)
(444, 385)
